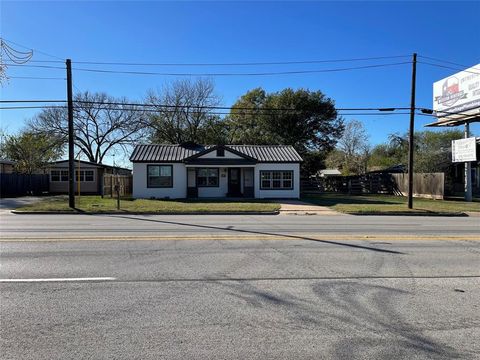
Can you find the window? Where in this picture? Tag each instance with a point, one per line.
(85, 175)
(59, 175)
(55, 175)
(207, 177)
(88, 175)
(220, 152)
(159, 176)
(276, 180)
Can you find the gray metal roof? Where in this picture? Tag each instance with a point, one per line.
(178, 153)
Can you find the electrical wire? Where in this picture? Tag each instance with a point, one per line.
(196, 107)
(231, 63)
(294, 72)
(444, 61)
(36, 78)
(17, 57)
(173, 111)
(31, 49)
(38, 66)
(449, 67)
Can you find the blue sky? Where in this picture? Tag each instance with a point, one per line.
(221, 32)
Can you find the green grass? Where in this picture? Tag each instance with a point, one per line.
(386, 204)
(95, 204)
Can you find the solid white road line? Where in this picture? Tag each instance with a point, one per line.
(60, 279)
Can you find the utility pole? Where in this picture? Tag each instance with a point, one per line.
(411, 147)
(468, 169)
(71, 163)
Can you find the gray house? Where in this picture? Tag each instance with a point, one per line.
(195, 171)
(90, 175)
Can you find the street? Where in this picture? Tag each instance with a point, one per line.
(242, 287)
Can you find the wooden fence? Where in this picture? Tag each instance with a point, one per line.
(12, 185)
(124, 181)
(424, 185)
(355, 185)
(429, 185)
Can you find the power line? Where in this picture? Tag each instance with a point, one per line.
(36, 78)
(231, 63)
(32, 101)
(173, 111)
(38, 66)
(434, 113)
(31, 49)
(242, 63)
(294, 72)
(449, 67)
(444, 61)
(196, 107)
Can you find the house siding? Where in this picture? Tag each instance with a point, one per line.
(213, 155)
(179, 189)
(140, 189)
(87, 187)
(264, 194)
(221, 190)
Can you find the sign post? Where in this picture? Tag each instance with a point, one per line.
(465, 150)
(468, 167)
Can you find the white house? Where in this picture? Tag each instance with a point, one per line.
(195, 171)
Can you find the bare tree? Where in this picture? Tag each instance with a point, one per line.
(183, 111)
(353, 150)
(102, 124)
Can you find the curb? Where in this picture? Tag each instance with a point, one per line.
(143, 213)
(411, 214)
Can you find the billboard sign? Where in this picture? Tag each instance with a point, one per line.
(459, 93)
(464, 150)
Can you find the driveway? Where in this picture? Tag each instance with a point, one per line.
(13, 203)
(297, 207)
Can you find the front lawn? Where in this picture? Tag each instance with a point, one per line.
(95, 204)
(389, 204)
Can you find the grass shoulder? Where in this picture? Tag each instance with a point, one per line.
(97, 204)
(389, 204)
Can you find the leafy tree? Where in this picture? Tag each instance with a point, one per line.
(305, 119)
(100, 126)
(432, 151)
(302, 118)
(247, 120)
(313, 161)
(30, 151)
(183, 112)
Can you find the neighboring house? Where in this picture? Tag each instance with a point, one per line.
(191, 171)
(91, 176)
(6, 166)
(328, 172)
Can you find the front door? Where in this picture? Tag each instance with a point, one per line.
(234, 177)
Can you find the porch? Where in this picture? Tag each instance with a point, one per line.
(234, 181)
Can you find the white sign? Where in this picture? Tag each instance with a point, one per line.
(464, 150)
(459, 93)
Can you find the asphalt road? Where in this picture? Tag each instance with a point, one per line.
(296, 298)
(151, 226)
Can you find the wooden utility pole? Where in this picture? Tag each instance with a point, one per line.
(468, 169)
(71, 164)
(411, 147)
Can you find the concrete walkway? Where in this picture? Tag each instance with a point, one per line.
(297, 207)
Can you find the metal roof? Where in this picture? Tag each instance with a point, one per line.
(178, 153)
(100, 165)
